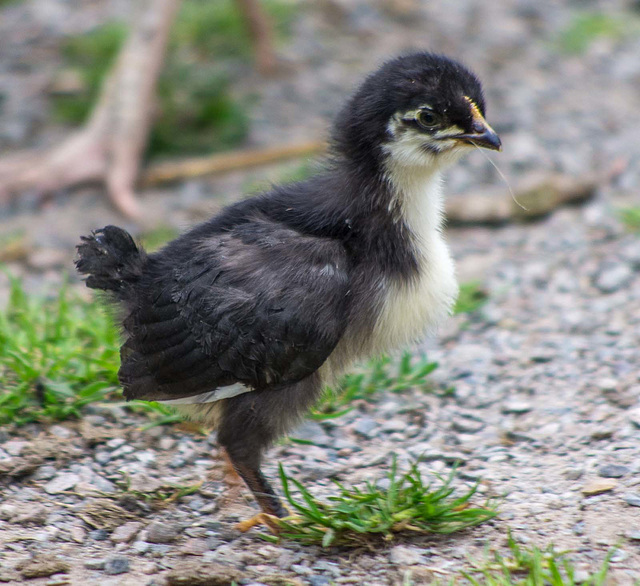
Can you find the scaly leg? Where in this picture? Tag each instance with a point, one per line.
(249, 424)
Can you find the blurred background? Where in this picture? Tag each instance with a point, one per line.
(562, 80)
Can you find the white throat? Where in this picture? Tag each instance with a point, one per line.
(417, 305)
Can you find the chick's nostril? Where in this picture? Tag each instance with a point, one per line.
(478, 127)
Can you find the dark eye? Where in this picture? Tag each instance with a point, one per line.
(427, 118)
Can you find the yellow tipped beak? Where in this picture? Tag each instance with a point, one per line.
(483, 135)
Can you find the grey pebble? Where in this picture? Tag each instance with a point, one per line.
(45, 473)
(301, 570)
(14, 447)
(573, 473)
(95, 564)
(516, 406)
(613, 278)
(634, 535)
(632, 499)
(141, 547)
(319, 580)
(116, 565)
(402, 555)
(314, 432)
(159, 532)
(62, 482)
(466, 425)
(613, 471)
(99, 534)
(177, 462)
(366, 426)
(125, 533)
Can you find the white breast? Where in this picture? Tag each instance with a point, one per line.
(411, 309)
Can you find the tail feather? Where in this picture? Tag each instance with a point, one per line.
(111, 259)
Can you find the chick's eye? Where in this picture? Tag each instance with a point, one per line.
(427, 118)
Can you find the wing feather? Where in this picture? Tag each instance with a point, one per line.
(261, 305)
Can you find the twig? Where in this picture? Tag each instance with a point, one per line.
(225, 162)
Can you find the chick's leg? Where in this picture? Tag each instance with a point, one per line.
(252, 422)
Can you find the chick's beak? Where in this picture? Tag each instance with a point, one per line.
(486, 138)
(482, 134)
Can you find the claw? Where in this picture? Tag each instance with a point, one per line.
(270, 521)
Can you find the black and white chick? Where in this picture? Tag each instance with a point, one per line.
(243, 320)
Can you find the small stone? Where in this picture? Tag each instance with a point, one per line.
(366, 426)
(573, 473)
(301, 570)
(61, 483)
(614, 277)
(14, 447)
(516, 407)
(177, 462)
(158, 532)
(467, 425)
(194, 546)
(319, 580)
(45, 473)
(95, 564)
(632, 499)
(115, 443)
(200, 573)
(166, 443)
(60, 431)
(402, 555)
(598, 486)
(7, 511)
(78, 534)
(634, 535)
(619, 556)
(34, 515)
(125, 533)
(42, 567)
(313, 432)
(116, 564)
(99, 534)
(613, 471)
(634, 416)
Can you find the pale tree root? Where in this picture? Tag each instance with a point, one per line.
(109, 148)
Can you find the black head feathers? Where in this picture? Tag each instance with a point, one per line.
(402, 84)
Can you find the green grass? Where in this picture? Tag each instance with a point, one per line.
(91, 56)
(586, 27)
(381, 375)
(214, 30)
(197, 111)
(630, 217)
(471, 298)
(156, 238)
(56, 356)
(529, 566)
(359, 516)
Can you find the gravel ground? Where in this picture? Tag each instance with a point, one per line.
(547, 390)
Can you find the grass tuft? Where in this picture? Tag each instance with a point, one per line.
(472, 297)
(377, 376)
(630, 217)
(56, 356)
(361, 516)
(586, 27)
(531, 566)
